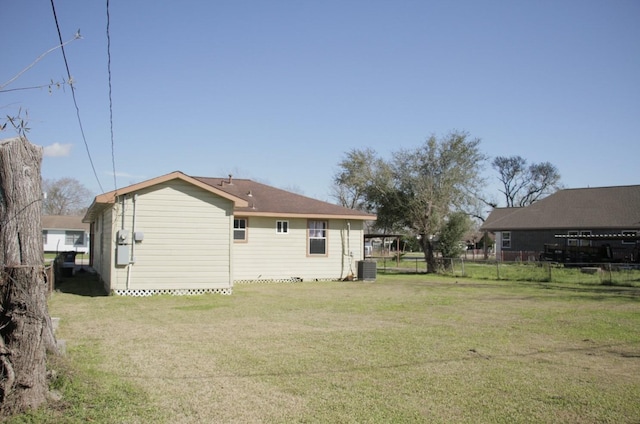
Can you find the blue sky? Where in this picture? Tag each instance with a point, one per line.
(278, 91)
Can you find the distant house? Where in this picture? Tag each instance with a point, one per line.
(571, 217)
(182, 234)
(61, 233)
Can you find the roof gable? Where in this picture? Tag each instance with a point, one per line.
(587, 208)
(110, 196)
(250, 198)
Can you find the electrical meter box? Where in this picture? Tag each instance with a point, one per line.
(122, 254)
(122, 236)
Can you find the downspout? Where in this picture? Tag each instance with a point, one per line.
(124, 204)
(349, 248)
(346, 252)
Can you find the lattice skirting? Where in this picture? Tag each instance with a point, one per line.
(196, 292)
(283, 280)
(173, 292)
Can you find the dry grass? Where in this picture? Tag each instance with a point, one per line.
(402, 349)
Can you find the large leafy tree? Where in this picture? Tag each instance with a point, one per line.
(453, 231)
(523, 183)
(418, 189)
(354, 177)
(432, 181)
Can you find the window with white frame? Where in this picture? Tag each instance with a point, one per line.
(74, 238)
(317, 233)
(585, 241)
(506, 239)
(282, 227)
(573, 238)
(240, 229)
(45, 234)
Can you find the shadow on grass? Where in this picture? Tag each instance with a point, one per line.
(600, 291)
(83, 283)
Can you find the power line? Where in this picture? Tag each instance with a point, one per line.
(113, 157)
(73, 95)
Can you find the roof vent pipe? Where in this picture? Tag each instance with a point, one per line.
(230, 179)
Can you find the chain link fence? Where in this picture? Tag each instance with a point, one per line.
(535, 271)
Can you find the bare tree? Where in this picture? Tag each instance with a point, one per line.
(65, 196)
(523, 184)
(25, 326)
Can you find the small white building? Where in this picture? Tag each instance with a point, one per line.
(188, 235)
(62, 233)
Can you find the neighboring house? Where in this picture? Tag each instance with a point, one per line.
(62, 233)
(186, 235)
(572, 217)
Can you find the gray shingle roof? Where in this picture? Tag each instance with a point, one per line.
(249, 197)
(582, 208)
(63, 222)
(267, 200)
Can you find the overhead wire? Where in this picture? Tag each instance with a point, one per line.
(113, 157)
(73, 95)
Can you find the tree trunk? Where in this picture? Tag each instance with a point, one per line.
(429, 257)
(26, 333)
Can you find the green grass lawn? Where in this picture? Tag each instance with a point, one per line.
(403, 349)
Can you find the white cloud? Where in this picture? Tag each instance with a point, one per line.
(57, 150)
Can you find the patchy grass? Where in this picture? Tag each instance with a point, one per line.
(401, 349)
(88, 395)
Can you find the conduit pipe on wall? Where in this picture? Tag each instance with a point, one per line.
(133, 243)
(349, 247)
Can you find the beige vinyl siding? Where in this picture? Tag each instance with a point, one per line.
(270, 256)
(186, 243)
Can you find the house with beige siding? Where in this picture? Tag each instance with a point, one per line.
(180, 234)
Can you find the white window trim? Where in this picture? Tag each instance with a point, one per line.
(505, 240)
(282, 227)
(325, 238)
(245, 229)
(573, 241)
(585, 242)
(74, 238)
